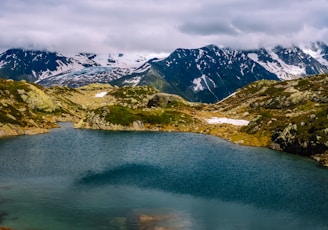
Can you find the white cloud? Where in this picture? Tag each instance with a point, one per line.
(158, 26)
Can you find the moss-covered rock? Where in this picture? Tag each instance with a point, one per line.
(37, 99)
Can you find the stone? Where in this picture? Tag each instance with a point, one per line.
(152, 222)
(163, 100)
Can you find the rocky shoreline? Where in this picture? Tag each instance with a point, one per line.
(9, 130)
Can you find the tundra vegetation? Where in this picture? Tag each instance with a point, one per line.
(290, 116)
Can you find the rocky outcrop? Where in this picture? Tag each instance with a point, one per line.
(164, 100)
(36, 99)
(96, 121)
(290, 140)
(7, 130)
(291, 114)
(304, 139)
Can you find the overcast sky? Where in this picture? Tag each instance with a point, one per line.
(104, 26)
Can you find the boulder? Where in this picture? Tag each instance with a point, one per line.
(163, 100)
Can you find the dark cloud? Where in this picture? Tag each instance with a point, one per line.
(157, 26)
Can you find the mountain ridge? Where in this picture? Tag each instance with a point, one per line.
(207, 74)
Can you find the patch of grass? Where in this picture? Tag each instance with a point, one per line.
(118, 115)
(134, 91)
(125, 116)
(260, 139)
(314, 82)
(165, 118)
(62, 90)
(306, 106)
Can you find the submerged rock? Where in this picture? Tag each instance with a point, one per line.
(119, 223)
(158, 222)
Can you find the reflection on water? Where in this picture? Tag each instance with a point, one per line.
(83, 179)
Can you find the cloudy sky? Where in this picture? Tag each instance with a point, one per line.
(105, 26)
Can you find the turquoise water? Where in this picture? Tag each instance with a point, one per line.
(86, 179)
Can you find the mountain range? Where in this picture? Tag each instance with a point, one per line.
(206, 74)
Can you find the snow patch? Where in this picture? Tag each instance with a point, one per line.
(291, 69)
(2, 63)
(201, 83)
(233, 94)
(126, 60)
(102, 94)
(224, 120)
(316, 54)
(200, 55)
(279, 67)
(198, 84)
(134, 81)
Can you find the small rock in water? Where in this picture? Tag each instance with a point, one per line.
(160, 222)
(5, 228)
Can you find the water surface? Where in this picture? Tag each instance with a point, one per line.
(86, 179)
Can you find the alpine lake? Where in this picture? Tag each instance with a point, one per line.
(90, 179)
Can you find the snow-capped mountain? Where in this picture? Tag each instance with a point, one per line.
(317, 50)
(31, 65)
(292, 62)
(51, 68)
(211, 73)
(207, 74)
